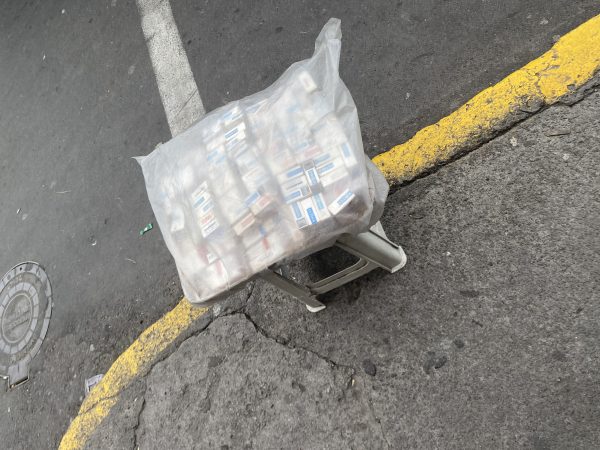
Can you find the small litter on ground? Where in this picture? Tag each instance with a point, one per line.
(91, 382)
(146, 229)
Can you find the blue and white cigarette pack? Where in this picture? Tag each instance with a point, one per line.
(265, 179)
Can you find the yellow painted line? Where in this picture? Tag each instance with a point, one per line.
(135, 361)
(568, 65)
(572, 62)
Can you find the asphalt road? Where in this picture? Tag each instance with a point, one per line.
(79, 99)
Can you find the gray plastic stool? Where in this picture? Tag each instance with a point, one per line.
(373, 249)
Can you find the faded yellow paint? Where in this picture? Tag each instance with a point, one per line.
(135, 361)
(568, 65)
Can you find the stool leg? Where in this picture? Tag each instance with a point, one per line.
(373, 249)
(342, 277)
(374, 246)
(298, 291)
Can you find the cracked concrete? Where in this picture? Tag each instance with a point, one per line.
(76, 109)
(483, 340)
(120, 434)
(290, 345)
(252, 392)
(138, 421)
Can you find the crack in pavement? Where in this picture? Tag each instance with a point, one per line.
(194, 92)
(139, 416)
(289, 344)
(241, 309)
(99, 402)
(330, 361)
(166, 355)
(378, 421)
(333, 363)
(345, 380)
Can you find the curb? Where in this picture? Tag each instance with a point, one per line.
(136, 361)
(558, 75)
(566, 68)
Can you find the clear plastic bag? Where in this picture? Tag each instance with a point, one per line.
(273, 176)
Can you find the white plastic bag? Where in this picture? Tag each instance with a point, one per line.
(273, 176)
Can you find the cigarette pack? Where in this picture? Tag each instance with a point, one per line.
(340, 203)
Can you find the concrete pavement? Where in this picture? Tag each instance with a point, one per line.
(79, 99)
(485, 339)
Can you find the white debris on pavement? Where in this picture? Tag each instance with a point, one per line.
(90, 383)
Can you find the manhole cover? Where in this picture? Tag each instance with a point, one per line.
(25, 308)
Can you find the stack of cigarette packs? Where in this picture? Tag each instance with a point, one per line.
(258, 181)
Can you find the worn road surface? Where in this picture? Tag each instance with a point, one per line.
(79, 99)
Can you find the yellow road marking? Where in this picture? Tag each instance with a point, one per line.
(572, 61)
(133, 362)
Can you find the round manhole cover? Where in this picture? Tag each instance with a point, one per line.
(25, 308)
